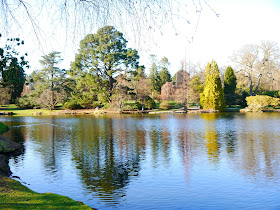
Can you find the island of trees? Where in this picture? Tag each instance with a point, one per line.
(106, 74)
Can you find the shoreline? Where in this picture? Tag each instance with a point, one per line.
(43, 112)
(13, 194)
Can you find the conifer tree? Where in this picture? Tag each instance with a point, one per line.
(154, 77)
(213, 94)
(164, 74)
(229, 86)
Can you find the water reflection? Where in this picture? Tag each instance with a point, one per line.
(103, 157)
(211, 136)
(107, 155)
(259, 148)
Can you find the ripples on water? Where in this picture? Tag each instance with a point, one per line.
(206, 161)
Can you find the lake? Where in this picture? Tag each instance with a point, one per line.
(182, 161)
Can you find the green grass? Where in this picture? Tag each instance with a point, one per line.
(25, 112)
(13, 195)
(3, 128)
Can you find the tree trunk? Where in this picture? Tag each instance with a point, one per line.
(251, 88)
(111, 86)
(257, 86)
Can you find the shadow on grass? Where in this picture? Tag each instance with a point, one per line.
(13, 195)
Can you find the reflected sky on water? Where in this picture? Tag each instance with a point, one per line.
(198, 161)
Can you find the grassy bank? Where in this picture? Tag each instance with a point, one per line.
(25, 112)
(13, 195)
(3, 128)
(174, 107)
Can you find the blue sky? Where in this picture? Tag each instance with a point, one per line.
(240, 22)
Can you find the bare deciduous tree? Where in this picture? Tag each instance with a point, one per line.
(270, 62)
(50, 98)
(246, 58)
(256, 62)
(142, 90)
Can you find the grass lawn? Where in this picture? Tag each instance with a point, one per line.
(13, 195)
(25, 112)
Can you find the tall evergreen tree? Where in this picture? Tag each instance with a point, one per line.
(229, 86)
(213, 94)
(164, 74)
(12, 65)
(104, 56)
(154, 77)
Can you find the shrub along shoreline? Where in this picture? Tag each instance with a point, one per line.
(14, 195)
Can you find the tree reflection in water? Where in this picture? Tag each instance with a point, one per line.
(107, 156)
(211, 136)
(110, 155)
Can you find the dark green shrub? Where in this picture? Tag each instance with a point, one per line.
(132, 106)
(149, 103)
(241, 98)
(271, 93)
(71, 105)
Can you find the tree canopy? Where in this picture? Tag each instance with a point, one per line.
(12, 65)
(104, 56)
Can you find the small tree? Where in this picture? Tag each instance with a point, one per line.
(196, 88)
(121, 92)
(229, 86)
(181, 84)
(51, 81)
(142, 90)
(50, 98)
(213, 94)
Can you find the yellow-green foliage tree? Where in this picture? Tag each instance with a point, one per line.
(213, 93)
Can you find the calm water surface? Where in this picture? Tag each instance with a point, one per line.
(193, 161)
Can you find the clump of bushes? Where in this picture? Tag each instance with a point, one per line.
(165, 105)
(76, 104)
(271, 93)
(72, 105)
(132, 106)
(149, 103)
(261, 102)
(27, 102)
